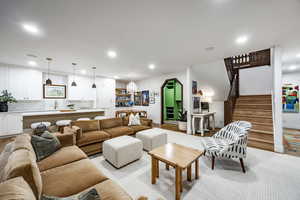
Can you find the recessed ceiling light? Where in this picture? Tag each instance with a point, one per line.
(112, 54)
(116, 77)
(151, 66)
(32, 63)
(30, 28)
(292, 67)
(241, 39)
(83, 71)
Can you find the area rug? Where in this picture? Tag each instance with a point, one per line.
(269, 176)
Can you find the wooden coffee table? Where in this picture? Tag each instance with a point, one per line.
(178, 156)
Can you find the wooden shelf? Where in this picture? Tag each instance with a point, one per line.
(123, 95)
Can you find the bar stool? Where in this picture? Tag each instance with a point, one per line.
(100, 117)
(35, 125)
(83, 119)
(61, 124)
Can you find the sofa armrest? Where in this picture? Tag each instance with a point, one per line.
(66, 139)
(75, 130)
(146, 122)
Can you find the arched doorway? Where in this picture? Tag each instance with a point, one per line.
(171, 100)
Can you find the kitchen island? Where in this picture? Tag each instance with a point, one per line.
(54, 115)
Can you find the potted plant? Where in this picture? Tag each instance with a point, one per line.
(182, 120)
(6, 98)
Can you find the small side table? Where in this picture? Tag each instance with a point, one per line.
(178, 156)
(202, 117)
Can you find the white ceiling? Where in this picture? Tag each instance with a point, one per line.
(173, 34)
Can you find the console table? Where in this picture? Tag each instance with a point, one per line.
(202, 117)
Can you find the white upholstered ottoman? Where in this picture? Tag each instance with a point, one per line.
(152, 138)
(122, 150)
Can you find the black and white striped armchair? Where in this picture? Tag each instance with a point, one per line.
(230, 142)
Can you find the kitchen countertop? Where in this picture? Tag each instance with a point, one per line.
(51, 112)
(57, 112)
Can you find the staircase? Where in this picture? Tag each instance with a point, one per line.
(256, 109)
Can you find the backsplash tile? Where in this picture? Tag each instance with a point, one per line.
(45, 105)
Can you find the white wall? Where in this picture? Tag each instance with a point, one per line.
(105, 90)
(254, 81)
(154, 85)
(121, 84)
(291, 120)
(212, 79)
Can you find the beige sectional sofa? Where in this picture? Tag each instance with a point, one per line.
(66, 172)
(92, 133)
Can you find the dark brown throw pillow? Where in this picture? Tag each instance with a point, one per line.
(44, 145)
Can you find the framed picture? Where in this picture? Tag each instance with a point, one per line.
(138, 98)
(54, 91)
(145, 98)
(290, 98)
(152, 98)
(194, 87)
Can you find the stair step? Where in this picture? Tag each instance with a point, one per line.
(254, 106)
(254, 101)
(267, 96)
(262, 131)
(261, 140)
(252, 116)
(253, 119)
(253, 112)
(261, 137)
(261, 145)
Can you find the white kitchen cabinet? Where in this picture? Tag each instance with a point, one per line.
(25, 84)
(11, 123)
(83, 90)
(3, 78)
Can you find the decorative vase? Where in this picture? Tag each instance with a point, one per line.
(3, 107)
(182, 125)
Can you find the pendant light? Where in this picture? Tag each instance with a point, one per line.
(94, 84)
(74, 83)
(48, 81)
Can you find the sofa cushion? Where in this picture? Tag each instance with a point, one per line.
(22, 163)
(111, 123)
(62, 157)
(89, 125)
(71, 178)
(92, 137)
(92, 148)
(45, 145)
(119, 131)
(16, 188)
(23, 142)
(8, 149)
(139, 128)
(110, 190)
